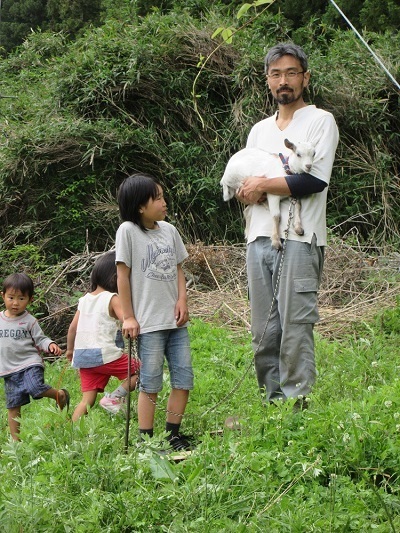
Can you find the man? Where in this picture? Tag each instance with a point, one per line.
(284, 347)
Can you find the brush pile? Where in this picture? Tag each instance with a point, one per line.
(354, 288)
(355, 285)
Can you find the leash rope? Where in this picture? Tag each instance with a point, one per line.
(240, 381)
(274, 297)
(66, 365)
(128, 407)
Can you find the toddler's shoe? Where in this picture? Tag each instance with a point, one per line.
(113, 405)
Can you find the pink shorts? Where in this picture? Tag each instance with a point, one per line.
(96, 378)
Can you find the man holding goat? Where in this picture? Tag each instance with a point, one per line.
(283, 283)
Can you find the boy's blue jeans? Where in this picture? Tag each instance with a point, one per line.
(174, 344)
(284, 349)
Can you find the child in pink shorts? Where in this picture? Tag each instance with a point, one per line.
(95, 344)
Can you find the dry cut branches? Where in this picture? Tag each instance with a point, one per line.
(354, 287)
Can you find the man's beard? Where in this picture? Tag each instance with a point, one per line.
(287, 97)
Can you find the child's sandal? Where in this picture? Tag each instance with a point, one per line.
(66, 402)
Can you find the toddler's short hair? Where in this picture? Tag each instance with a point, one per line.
(19, 282)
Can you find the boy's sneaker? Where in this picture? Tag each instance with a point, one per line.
(181, 442)
(113, 405)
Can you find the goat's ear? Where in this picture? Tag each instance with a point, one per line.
(289, 145)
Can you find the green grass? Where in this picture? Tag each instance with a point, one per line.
(331, 468)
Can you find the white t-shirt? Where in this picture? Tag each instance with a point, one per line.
(98, 337)
(309, 124)
(153, 257)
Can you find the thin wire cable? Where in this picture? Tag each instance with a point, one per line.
(366, 44)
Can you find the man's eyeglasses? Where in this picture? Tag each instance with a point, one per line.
(288, 75)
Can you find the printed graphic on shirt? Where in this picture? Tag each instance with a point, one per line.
(16, 334)
(159, 262)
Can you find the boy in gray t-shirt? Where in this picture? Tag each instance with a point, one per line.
(152, 290)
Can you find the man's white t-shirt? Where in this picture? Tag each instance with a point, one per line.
(309, 124)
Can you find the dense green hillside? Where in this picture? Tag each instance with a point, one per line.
(19, 17)
(158, 94)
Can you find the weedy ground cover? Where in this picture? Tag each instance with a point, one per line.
(332, 467)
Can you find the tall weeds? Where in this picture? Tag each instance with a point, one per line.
(119, 99)
(332, 467)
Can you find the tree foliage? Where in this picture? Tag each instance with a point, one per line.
(373, 15)
(121, 98)
(72, 16)
(18, 18)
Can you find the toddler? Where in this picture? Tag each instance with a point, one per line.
(21, 341)
(95, 344)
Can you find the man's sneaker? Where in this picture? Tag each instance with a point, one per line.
(181, 442)
(113, 405)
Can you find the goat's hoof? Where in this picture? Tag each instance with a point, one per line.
(299, 230)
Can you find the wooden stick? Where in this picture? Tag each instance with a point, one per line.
(128, 407)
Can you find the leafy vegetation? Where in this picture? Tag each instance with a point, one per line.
(88, 99)
(332, 467)
(160, 95)
(19, 18)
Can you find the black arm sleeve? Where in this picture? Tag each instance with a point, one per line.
(304, 184)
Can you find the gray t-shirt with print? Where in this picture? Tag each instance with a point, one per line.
(153, 257)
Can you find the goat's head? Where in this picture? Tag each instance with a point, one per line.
(303, 156)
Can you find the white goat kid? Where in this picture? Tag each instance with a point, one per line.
(256, 162)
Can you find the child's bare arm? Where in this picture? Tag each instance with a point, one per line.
(71, 336)
(115, 308)
(181, 308)
(130, 326)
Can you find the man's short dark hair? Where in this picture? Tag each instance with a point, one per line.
(286, 49)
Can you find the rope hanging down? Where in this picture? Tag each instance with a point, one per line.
(274, 298)
(133, 346)
(365, 44)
